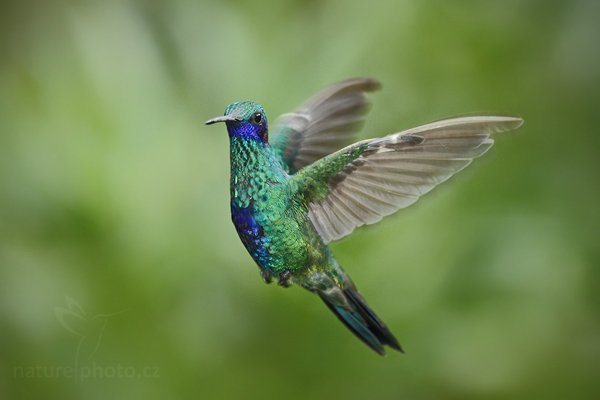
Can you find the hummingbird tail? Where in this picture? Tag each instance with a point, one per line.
(360, 319)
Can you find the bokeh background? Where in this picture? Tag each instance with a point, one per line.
(116, 247)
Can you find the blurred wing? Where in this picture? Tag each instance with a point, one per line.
(322, 125)
(364, 182)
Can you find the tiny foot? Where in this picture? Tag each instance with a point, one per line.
(266, 275)
(284, 278)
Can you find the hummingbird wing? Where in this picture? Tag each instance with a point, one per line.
(325, 123)
(368, 180)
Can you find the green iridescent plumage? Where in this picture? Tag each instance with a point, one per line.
(290, 199)
(258, 181)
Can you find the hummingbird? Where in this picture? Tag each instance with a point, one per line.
(310, 185)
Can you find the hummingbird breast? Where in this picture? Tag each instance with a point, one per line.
(269, 222)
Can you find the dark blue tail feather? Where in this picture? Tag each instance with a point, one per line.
(362, 321)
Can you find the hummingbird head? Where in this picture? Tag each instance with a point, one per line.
(246, 120)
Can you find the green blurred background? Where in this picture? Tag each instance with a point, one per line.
(114, 199)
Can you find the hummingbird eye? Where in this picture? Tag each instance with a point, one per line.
(256, 118)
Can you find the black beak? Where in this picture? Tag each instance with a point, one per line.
(224, 118)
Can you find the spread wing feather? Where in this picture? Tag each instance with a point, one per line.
(366, 181)
(325, 123)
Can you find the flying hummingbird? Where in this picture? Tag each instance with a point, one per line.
(293, 195)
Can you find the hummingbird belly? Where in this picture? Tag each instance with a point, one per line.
(273, 239)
